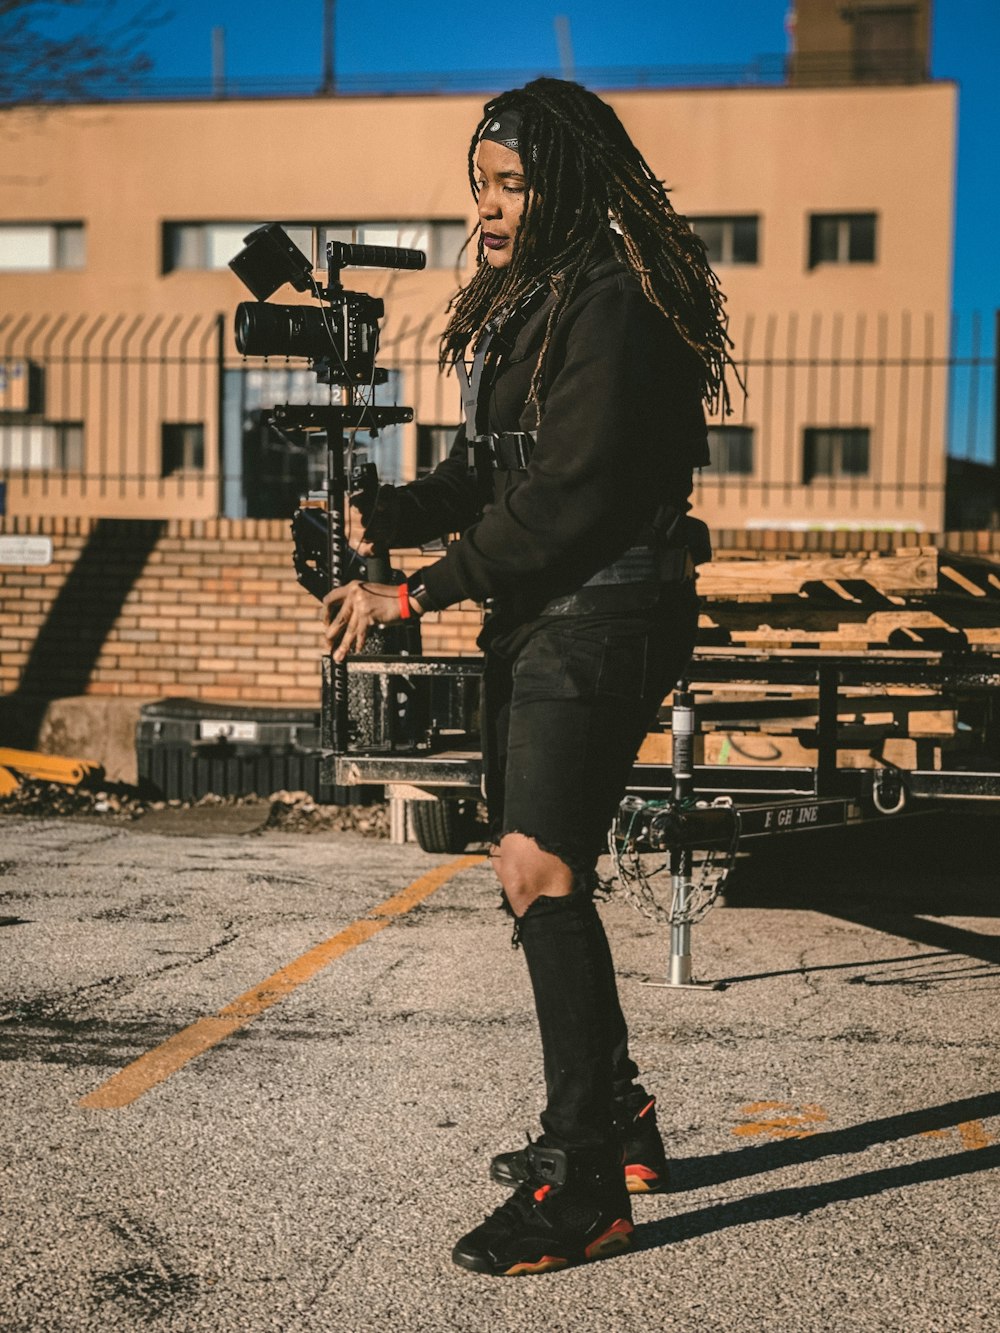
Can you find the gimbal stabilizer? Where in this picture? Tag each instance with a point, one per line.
(340, 336)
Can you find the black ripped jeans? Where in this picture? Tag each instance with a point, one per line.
(564, 715)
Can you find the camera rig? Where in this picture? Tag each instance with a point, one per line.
(340, 336)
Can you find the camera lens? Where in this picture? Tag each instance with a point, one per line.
(282, 330)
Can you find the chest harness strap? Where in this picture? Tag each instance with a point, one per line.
(511, 450)
(470, 384)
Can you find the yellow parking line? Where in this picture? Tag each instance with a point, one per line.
(163, 1060)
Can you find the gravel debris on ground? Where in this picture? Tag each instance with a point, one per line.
(291, 811)
(298, 812)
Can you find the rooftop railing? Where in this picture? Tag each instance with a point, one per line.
(815, 69)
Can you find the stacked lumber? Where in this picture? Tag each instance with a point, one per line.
(918, 601)
(917, 598)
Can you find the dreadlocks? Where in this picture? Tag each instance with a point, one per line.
(581, 170)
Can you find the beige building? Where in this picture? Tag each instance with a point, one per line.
(121, 393)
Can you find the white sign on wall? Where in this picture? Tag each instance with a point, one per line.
(218, 730)
(25, 550)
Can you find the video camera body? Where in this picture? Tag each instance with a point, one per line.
(340, 335)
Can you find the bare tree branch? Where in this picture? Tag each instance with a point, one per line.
(45, 60)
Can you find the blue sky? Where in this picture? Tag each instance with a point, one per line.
(283, 41)
(391, 35)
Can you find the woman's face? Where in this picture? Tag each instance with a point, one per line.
(500, 182)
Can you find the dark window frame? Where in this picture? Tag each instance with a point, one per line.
(729, 223)
(851, 244)
(834, 453)
(433, 446)
(70, 439)
(182, 447)
(732, 451)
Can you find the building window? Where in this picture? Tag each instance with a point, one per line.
(41, 246)
(885, 46)
(841, 238)
(68, 445)
(49, 446)
(729, 240)
(211, 245)
(433, 446)
(835, 453)
(731, 450)
(182, 447)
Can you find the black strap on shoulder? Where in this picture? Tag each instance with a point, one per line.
(498, 337)
(487, 453)
(471, 383)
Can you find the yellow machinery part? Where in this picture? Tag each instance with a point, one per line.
(15, 765)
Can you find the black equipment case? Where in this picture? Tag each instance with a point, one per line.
(187, 748)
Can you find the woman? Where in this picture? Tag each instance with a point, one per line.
(594, 348)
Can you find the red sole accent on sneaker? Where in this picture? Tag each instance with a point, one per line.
(618, 1237)
(546, 1264)
(643, 1179)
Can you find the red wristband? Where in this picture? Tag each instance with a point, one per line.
(404, 601)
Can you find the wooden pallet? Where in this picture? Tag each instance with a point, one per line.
(920, 601)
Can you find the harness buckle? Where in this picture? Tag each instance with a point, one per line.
(509, 452)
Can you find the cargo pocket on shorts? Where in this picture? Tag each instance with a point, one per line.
(540, 670)
(624, 666)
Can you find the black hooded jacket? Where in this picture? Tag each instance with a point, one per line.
(621, 430)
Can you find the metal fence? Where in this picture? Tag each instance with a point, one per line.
(775, 69)
(867, 420)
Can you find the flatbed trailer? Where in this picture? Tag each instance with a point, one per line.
(417, 737)
(434, 756)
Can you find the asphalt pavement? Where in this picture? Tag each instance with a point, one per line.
(325, 1037)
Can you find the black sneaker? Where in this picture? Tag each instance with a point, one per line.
(514, 1168)
(572, 1209)
(645, 1160)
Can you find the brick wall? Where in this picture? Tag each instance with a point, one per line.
(211, 608)
(205, 608)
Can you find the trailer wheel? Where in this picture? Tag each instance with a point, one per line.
(443, 826)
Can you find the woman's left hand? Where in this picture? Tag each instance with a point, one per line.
(351, 611)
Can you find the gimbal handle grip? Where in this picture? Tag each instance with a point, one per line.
(341, 254)
(378, 567)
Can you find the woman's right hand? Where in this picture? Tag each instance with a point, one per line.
(353, 609)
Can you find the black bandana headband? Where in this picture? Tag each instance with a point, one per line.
(504, 129)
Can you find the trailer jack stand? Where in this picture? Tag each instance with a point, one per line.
(679, 963)
(681, 860)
